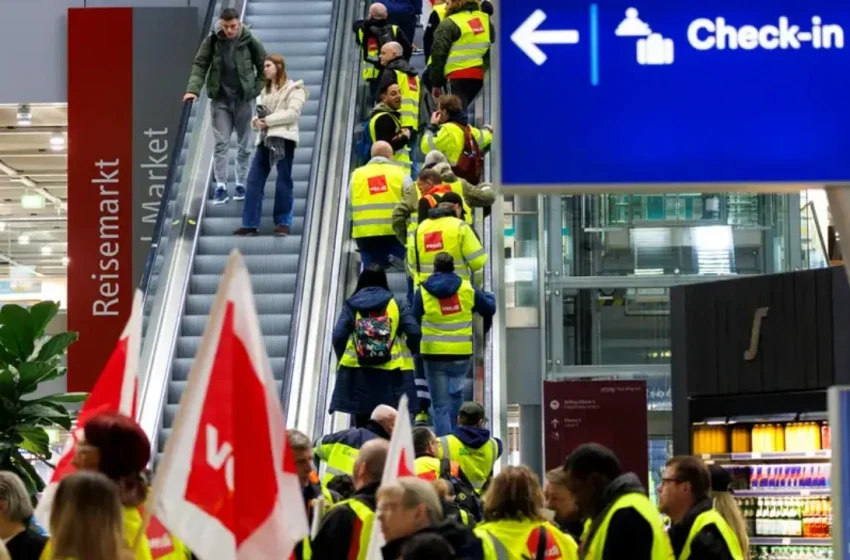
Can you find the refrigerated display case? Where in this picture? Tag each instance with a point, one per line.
(781, 473)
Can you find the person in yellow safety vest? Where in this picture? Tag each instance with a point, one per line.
(515, 526)
(376, 190)
(405, 215)
(370, 34)
(471, 445)
(698, 531)
(446, 132)
(445, 231)
(385, 125)
(444, 305)
(396, 70)
(409, 508)
(727, 506)
(624, 523)
(562, 503)
(339, 451)
(460, 52)
(313, 493)
(426, 447)
(346, 530)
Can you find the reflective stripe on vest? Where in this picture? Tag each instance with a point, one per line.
(712, 517)
(357, 549)
(376, 189)
(410, 90)
(447, 322)
(401, 157)
(401, 356)
(476, 464)
(440, 10)
(474, 42)
(437, 236)
(427, 468)
(596, 537)
(371, 52)
(522, 538)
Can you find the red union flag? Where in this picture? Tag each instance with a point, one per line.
(450, 305)
(433, 241)
(227, 485)
(115, 391)
(399, 463)
(377, 184)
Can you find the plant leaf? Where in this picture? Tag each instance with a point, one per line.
(34, 439)
(55, 346)
(67, 398)
(42, 313)
(24, 466)
(17, 327)
(40, 410)
(31, 374)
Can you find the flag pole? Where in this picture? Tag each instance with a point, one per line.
(216, 320)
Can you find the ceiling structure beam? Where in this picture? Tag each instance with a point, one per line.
(26, 181)
(32, 130)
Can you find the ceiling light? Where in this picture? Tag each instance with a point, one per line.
(2, 226)
(65, 261)
(24, 239)
(24, 115)
(57, 143)
(32, 201)
(46, 250)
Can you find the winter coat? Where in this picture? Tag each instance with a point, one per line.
(358, 390)
(444, 37)
(461, 538)
(477, 196)
(340, 526)
(249, 54)
(285, 106)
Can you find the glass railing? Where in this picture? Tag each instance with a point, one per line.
(813, 246)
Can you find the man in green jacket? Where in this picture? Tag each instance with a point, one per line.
(231, 61)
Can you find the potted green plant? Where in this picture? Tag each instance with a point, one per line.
(27, 359)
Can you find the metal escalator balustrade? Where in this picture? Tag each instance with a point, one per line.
(300, 31)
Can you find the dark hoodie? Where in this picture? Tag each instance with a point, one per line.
(442, 285)
(708, 544)
(374, 299)
(386, 127)
(368, 27)
(389, 76)
(629, 534)
(464, 542)
(341, 527)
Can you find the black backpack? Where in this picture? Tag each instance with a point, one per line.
(465, 495)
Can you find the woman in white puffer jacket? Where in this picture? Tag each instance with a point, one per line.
(278, 111)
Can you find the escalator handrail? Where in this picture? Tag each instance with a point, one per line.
(176, 151)
(324, 127)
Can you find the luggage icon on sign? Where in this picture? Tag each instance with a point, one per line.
(655, 50)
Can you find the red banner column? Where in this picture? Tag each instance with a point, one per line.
(100, 218)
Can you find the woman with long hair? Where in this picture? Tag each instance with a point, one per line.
(374, 339)
(515, 524)
(278, 112)
(727, 507)
(86, 521)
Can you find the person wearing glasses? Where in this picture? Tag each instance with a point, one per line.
(698, 531)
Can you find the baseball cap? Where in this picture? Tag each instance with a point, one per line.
(471, 413)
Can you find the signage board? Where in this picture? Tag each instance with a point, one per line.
(617, 94)
(611, 413)
(839, 427)
(120, 140)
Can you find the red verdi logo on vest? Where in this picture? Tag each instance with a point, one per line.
(434, 241)
(476, 26)
(553, 551)
(372, 46)
(412, 83)
(377, 185)
(450, 305)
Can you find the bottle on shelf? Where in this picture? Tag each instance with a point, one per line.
(787, 517)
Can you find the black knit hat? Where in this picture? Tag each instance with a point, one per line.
(721, 480)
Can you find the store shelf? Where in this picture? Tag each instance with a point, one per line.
(821, 454)
(782, 493)
(788, 541)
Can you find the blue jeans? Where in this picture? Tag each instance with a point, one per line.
(284, 197)
(446, 381)
(378, 250)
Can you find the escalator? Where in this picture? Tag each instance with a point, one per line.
(197, 237)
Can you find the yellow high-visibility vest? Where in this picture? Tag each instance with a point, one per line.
(400, 157)
(509, 539)
(445, 234)
(376, 189)
(401, 357)
(371, 51)
(410, 91)
(712, 517)
(469, 50)
(447, 322)
(661, 547)
(476, 464)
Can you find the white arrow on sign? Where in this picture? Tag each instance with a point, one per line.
(527, 37)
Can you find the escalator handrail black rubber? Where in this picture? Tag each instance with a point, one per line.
(176, 151)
